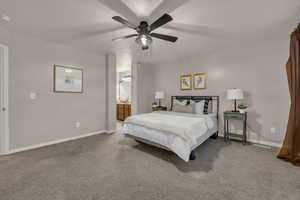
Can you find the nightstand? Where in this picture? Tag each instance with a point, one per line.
(228, 115)
(159, 108)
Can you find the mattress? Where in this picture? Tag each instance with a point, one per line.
(172, 141)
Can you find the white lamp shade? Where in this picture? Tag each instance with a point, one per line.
(159, 95)
(235, 94)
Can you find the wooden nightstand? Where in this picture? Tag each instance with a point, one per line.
(159, 108)
(228, 115)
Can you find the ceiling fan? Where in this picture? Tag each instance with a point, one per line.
(144, 31)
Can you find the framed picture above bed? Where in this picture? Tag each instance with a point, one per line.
(200, 81)
(68, 79)
(186, 82)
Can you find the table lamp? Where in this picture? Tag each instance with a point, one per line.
(235, 94)
(159, 95)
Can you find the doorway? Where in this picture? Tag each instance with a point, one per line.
(123, 94)
(4, 123)
(123, 89)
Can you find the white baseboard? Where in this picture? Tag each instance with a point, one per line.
(12, 151)
(266, 143)
(110, 131)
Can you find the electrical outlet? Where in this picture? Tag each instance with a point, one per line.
(273, 130)
(77, 124)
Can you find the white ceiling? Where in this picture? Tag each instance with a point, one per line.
(142, 8)
(201, 25)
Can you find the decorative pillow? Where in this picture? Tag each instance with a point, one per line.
(183, 103)
(208, 106)
(199, 106)
(184, 108)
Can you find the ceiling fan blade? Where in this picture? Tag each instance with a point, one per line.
(124, 37)
(120, 7)
(164, 37)
(160, 21)
(124, 21)
(166, 6)
(199, 30)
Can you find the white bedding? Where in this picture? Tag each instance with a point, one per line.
(179, 132)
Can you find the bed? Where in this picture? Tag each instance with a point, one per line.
(178, 132)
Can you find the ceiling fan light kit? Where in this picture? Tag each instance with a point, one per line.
(144, 41)
(144, 31)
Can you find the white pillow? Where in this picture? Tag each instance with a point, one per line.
(192, 102)
(199, 106)
(184, 109)
(183, 103)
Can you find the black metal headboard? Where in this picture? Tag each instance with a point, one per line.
(197, 98)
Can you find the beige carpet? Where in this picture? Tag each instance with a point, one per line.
(112, 167)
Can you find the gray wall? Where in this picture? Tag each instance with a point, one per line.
(257, 68)
(147, 75)
(52, 116)
(111, 94)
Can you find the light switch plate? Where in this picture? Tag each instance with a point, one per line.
(32, 95)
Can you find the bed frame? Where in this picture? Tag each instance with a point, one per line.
(213, 99)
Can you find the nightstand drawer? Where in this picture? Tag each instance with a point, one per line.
(237, 116)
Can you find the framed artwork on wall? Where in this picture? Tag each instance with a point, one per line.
(200, 81)
(68, 79)
(186, 82)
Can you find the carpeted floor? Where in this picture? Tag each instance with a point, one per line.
(112, 167)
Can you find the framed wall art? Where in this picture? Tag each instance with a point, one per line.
(68, 79)
(200, 81)
(186, 82)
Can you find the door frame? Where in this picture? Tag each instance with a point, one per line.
(4, 102)
(134, 87)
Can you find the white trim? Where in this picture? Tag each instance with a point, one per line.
(134, 88)
(266, 143)
(111, 131)
(12, 151)
(111, 94)
(4, 102)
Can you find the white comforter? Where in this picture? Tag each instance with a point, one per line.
(180, 130)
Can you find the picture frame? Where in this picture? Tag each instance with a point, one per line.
(186, 82)
(67, 79)
(200, 81)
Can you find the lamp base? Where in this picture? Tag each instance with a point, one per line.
(235, 110)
